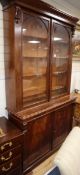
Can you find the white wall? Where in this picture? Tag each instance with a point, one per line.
(60, 4)
(64, 6)
(2, 73)
(75, 78)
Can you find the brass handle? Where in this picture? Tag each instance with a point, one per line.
(3, 147)
(1, 133)
(5, 159)
(7, 169)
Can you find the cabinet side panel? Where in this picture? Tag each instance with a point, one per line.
(8, 15)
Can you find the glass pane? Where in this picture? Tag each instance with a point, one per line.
(60, 56)
(35, 55)
(31, 86)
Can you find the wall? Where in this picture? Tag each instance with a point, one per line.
(60, 4)
(75, 79)
(64, 6)
(2, 73)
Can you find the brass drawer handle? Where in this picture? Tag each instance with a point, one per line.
(3, 147)
(7, 169)
(5, 159)
(1, 133)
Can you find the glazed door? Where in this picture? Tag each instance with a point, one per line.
(35, 57)
(60, 59)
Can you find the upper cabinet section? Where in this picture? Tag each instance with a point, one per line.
(60, 59)
(35, 56)
(38, 67)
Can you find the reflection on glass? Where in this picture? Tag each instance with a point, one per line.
(34, 48)
(57, 39)
(34, 42)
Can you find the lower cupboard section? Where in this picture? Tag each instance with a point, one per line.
(45, 134)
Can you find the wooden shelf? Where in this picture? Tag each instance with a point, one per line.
(58, 88)
(39, 95)
(61, 42)
(33, 76)
(60, 57)
(34, 57)
(33, 91)
(59, 73)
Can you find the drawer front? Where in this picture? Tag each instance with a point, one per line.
(10, 144)
(17, 171)
(10, 154)
(10, 165)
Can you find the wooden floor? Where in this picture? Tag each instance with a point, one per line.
(43, 167)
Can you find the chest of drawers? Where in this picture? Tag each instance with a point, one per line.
(10, 148)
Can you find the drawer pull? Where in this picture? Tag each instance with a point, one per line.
(6, 144)
(1, 133)
(7, 169)
(5, 159)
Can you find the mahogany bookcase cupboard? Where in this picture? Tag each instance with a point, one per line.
(37, 41)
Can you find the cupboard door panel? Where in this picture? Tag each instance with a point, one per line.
(38, 139)
(35, 57)
(60, 59)
(62, 124)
